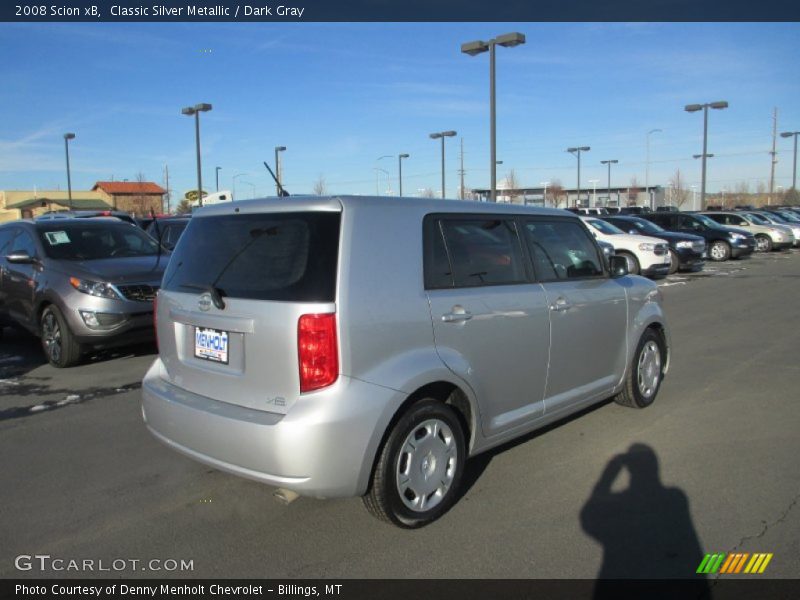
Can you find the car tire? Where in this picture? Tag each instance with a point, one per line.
(763, 243)
(719, 251)
(631, 261)
(645, 373)
(415, 484)
(675, 262)
(58, 342)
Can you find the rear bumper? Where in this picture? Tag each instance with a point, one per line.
(689, 259)
(323, 447)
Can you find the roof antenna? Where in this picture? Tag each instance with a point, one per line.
(284, 193)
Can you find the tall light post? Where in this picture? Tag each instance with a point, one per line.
(545, 184)
(694, 197)
(195, 111)
(594, 191)
(704, 157)
(577, 152)
(794, 134)
(509, 40)
(441, 135)
(278, 170)
(609, 163)
(704, 107)
(233, 192)
(400, 158)
(377, 179)
(217, 170)
(647, 167)
(67, 138)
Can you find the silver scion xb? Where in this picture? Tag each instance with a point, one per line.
(352, 346)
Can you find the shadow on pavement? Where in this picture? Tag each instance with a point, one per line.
(645, 529)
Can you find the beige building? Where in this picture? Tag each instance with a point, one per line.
(137, 198)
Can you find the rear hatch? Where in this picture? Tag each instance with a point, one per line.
(238, 282)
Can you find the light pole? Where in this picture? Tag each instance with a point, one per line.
(233, 191)
(509, 40)
(577, 152)
(400, 158)
(442, 135)
(377, 179)
(609, 163)
(217, 169)
(704, 157)
(647, 167)
(794, 134)
(694, 197)
(545, 184)
(704, 107)
(196, 110)
(278, 170)
(594, 190)
(67, 138)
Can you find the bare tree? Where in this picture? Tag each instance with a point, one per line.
(320, 186)
(427, 193)
(184, 207)
(791, 197)
(556, 193)
(512, 187)
(633, 192)
(680, 194)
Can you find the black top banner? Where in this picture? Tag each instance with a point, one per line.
(398, 10)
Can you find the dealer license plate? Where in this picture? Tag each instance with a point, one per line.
(211, 344)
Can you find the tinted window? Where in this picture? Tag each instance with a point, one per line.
(78, 239)
(483, 251)
(561, 250)
(278, 256)
(6, 235)
(687, 222)
(438, 272)
(24, 244)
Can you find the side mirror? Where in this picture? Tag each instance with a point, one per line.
(619, 267)
(20, 258)
(744, 224)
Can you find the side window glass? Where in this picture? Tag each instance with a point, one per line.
(6, 235)
(24, 243)
(438, 273)
(484, 252)
(561, 250)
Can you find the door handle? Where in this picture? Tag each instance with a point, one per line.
(459, 315)
(560, 304)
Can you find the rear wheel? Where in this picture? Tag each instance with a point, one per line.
(58, 342)
(645, 373)
(418, 473)
(675, 262)
(631, 262)
(719, 251)
(763, 243)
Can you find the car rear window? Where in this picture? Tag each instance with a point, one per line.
(277, 256)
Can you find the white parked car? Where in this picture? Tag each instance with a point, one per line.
(645, 255)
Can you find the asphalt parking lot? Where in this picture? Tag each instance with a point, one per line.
(710, 467)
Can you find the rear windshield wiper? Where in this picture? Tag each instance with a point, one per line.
(215, 292)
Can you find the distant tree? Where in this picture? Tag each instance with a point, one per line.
(320, 187)
(791, 197)
(633, 192)
(555, 193)
(184, 207)
(680, 194)
(428, 193)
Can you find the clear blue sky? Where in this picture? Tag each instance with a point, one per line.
(341, 95)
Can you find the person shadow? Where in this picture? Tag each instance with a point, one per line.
(645, 529)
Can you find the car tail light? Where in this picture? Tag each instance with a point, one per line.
(155, 317)
(317, 350)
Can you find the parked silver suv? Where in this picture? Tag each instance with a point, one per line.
(79, 283)
(352, 346)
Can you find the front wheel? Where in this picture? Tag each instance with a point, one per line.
(645, 373)
(674, 262)
(763, 243)
(418, 473)
(719, 251)
(58, 342)
(631, 262)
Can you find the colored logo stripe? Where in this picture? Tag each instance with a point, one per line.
(734, 563)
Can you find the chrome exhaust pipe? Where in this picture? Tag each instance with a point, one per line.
(285, 497)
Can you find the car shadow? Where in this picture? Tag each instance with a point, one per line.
(645, 528)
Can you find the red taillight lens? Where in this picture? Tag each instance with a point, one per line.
(155, 317)
(318, 351)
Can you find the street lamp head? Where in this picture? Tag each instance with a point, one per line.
(435, 136)
(202, 107)
(608, 162)
(280, 148)
(787, 134)
(719, 105)
(693, 107)
(69, 136)
(701, 156)
(189, 111)
(509, 40)
(449, 133)
(404, 155)
(499, 162)
(655, 131)
(474, 48)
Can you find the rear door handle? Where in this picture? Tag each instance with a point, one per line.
(458, 315)
(560, 304)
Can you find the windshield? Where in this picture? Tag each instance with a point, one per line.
(787, 216)
(757, 219)
(708, 221)
(604, 227)
(79, 239)
(645, 226)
